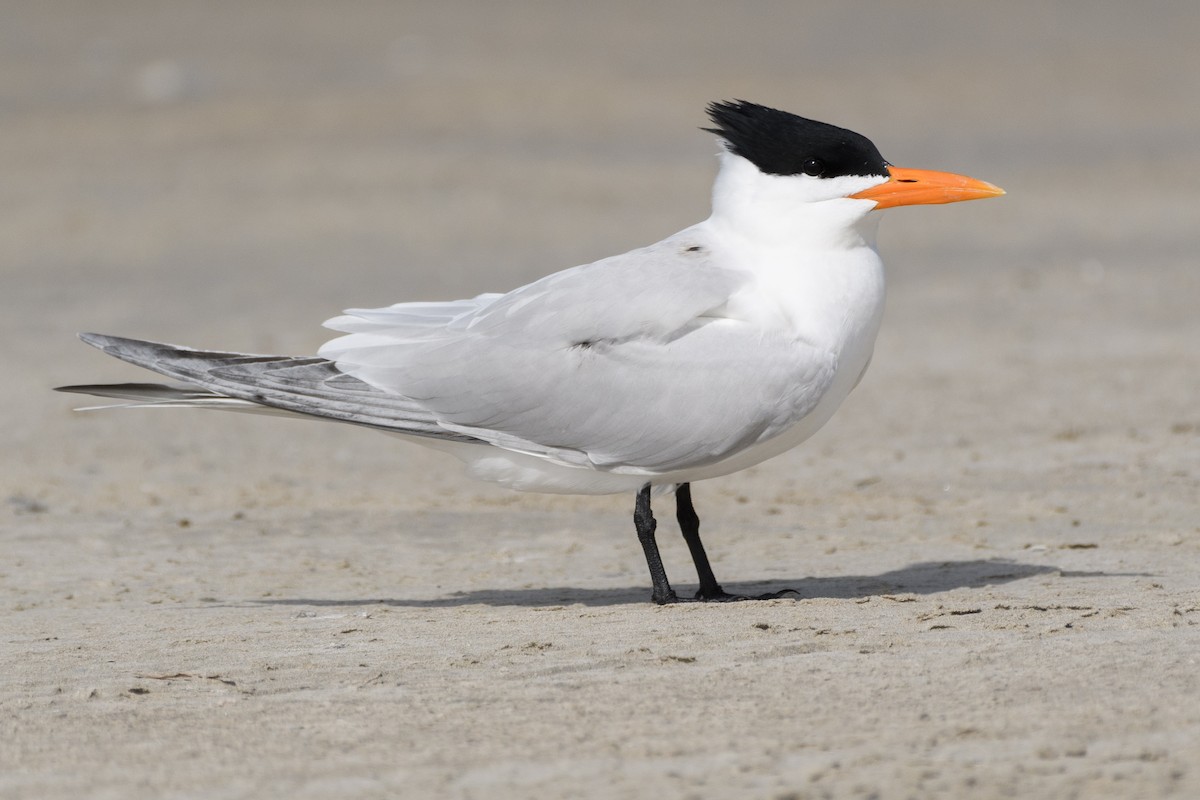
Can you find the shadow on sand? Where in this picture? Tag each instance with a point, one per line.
(927, 577)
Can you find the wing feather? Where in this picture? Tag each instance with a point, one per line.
(630, 365)
(303, 385)
(627, 364)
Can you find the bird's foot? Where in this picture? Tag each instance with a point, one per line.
(663, 598)
(719, 595)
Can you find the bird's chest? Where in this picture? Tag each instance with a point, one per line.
(831, 301)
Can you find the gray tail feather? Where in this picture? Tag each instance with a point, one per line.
(144, 392)
(310, 386)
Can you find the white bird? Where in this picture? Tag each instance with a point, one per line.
(721, 346)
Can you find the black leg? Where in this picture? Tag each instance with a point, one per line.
(689, 524)
(643, 519)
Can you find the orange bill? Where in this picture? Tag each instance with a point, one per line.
(914, 187)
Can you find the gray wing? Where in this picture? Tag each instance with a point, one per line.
(627, 364)
(303, 385)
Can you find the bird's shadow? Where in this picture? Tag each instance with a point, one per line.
(926, 577)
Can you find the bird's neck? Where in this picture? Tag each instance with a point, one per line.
(816, 273)
(789, 212)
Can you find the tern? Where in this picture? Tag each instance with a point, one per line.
(708, 352)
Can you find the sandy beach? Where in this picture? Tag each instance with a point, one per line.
(995, 543)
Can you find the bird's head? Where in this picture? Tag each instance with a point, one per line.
(781, 165)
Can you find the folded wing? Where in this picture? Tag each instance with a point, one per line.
(629, 364)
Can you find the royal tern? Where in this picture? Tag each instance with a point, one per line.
(723, 345)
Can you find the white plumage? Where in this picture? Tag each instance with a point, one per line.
(705, 353)
(691, 358)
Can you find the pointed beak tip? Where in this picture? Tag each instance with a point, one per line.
(907, 187)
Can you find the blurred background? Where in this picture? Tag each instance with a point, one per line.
(228, 175)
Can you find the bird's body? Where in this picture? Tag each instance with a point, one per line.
(710, 351)
(691, 358)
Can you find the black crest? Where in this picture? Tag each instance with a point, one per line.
(779, 143)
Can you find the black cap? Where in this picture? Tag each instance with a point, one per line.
(779, 143)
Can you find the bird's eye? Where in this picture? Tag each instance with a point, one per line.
(813, 166)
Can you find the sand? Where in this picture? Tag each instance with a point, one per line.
(994, 542)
